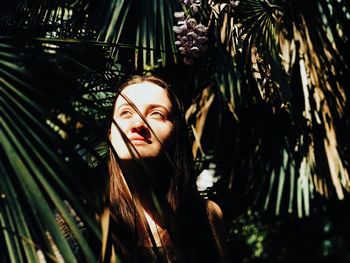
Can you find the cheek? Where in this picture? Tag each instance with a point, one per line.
(118, 143)
(167, 134)
(115, 135)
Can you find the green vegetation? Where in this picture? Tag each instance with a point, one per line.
(265, 85)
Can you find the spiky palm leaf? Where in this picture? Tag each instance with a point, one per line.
(50, 104)
(278, 65)
(35, 159)
(290, 62)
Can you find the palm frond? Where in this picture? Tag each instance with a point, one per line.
(29, 129)
(291, 60)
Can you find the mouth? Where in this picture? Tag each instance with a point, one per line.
(139, 140)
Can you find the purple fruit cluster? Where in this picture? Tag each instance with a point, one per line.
(191, 37)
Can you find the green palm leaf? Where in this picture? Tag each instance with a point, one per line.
(291, 60)
(42, 176)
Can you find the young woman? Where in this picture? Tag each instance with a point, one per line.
(156, 212)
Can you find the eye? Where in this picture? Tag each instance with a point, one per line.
(125, 114)
(157, 115)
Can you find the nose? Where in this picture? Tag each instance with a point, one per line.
(139, 126)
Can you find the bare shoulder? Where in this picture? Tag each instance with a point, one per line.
(216, 219)
(214, 209)
(215, 216)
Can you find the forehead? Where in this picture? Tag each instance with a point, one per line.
(145, 93)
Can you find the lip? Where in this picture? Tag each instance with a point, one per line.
(139, 140)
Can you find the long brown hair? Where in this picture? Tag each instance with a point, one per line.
(182, 203)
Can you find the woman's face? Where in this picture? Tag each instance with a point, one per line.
(155, 106)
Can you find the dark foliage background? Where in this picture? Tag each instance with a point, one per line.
(265, 85)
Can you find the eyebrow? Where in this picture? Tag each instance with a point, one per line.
(150, 106)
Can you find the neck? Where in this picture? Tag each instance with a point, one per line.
(150, 183)
(147, 176)
(159, 231)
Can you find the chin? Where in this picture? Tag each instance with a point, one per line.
(141, 155)
(143, 152)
